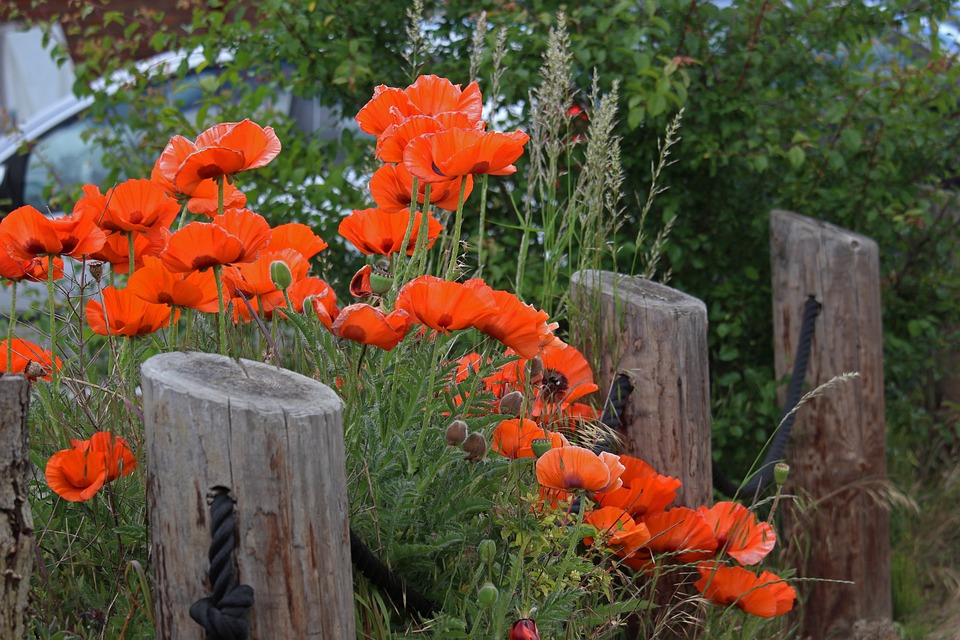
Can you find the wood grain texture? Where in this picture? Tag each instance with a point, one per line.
(658, 337)
(275, 440)
(16, 520)
(837, 456)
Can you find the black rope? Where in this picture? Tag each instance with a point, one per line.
(224, 614)
(402, 596)
(764, 476)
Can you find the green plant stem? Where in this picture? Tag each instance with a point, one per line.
(183, 215)
(172, 343)
(12, 324)
(418, 260)
(221, 316)
(400, 269)
(54, 374)
(427, 412)
(132, 257)
(457, 225)
(483, 217)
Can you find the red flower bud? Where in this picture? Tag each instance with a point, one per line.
(525, 629)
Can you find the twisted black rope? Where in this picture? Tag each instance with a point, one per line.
(224, 614)
(621, 389)
(402, 595)
(764, 476)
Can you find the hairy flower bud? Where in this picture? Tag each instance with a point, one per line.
(511, 404)
(456, 433)
(487, 595)
(487, 550)
(280, 275)
(525, 629)
(475, 446)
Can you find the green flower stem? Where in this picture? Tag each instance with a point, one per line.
(221, 317)
(427, 412)
(182, 215)
(172, 342)
(54, 374)
(457, 225)
(131, 257)
(401, 256)
(483, 217)
(423, 233)
(12, 323)
(220, 189)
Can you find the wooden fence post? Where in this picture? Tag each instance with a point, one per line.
(658, 337)
(838, 456)
(16, 520)
(274, 439)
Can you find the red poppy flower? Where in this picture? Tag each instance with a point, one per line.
(253, 278)
(27, 234)
(392, 185)
(514, 438)
(126, 314)
(525, 629)
(138, 205)
(203, 199)
(33, 270)
(570, 468)
(324, 304)
(117, 457)
(566, 375)
(312, 287)
(738, 533)
(298, 237)
(360, 286)
(766, 595)
(199, 246)
(116, 250)
(428, 96)
(250, 228)
(375, 231)
(679, 531)
(436, 157)
(618, 530)
(153, 282)
(368, 325)
(396, 137)
(445, 306)
(644, 490)
(23, 353)
(75, 475)
(225, 149)
(518, 326)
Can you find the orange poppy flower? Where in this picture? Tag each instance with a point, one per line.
(444, 306)
(138, 205)
(33, 270)
(117, 457)
(392, 185)
(253, 278)
(396, 137)
(312, 287)
(75, 475)
(436, 157)
(199, 246)
(618, 530)
(203, 199)
(298, 237)
(27, 234)
(738, 533)
(24, 352)
(644, 490)
(375, 231)
(225, 149)
(569, 468)
(765, 596)
(360, 286)
(153, 282)
(116, 250)
(518, 326)
(262, 305)
(250, 228)
(466, 364)
(126, 314)
(324, 304)
(428, 96)
(514, 438)
(368, 325)
(679, 531)
(566, 375)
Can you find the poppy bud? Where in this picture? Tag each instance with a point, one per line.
(511, 404)
(380, 282)
(781, 471)
(456, 433)
(96, 270)
(280, 275)
(34, 370)
(536, 370)
(487, 595)
(525, 629)
(487, 550)
(475, 446)
(540, 446)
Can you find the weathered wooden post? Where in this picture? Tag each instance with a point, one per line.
(274, 439)
(837, 457)
(16, 520)
(658, 337)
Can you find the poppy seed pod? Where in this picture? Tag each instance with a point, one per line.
(96, 270)
(475, 446)
(380, 282)
(281, 275)
(456, 433)
(540, 446)
(781, 471)
(34, 370)
(511, 404)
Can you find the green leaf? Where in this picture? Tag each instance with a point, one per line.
(796, 157)
(851, 139)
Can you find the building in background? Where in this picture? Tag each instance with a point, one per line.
(30, 79)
